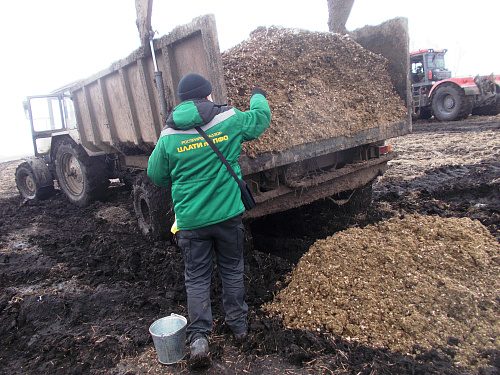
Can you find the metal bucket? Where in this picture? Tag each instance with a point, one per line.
(169, 337)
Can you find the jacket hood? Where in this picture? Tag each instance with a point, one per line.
(191, 113)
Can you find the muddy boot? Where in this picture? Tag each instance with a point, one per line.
(240, 338)
(200, 355)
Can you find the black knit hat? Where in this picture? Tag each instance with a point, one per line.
(193, 86)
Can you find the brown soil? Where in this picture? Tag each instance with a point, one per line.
(80, 286)
(310, 77)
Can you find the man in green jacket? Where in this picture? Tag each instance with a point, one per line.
(207, 200)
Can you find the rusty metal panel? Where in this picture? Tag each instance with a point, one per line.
(181, 48)
(115, 100)
(306, 151)
(180, 61)
(97, 112)
(118, 109)
(129, 109)
(286, 198)
(82, 117)
(140, 103)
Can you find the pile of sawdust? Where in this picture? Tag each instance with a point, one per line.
(420, 280)
(319, 85)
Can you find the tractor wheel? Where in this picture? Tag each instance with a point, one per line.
(153, 208)
(82, 178)
(449, 103)
(29, 185)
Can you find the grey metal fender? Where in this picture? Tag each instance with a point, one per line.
(41, 171)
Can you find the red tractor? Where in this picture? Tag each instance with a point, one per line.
(436, 93)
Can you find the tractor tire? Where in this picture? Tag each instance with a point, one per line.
(153, 208)
(82, 178)
(449, 103)
(29, 185)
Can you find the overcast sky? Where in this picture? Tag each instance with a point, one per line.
(49, 43)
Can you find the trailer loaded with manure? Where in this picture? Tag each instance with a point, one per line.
(335, 101)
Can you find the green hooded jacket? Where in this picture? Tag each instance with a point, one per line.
(203, 191)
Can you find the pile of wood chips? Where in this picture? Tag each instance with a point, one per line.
(320, 85)
(420, 280)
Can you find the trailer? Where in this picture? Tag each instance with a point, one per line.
(105, 127)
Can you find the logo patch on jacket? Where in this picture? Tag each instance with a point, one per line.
(194, 146)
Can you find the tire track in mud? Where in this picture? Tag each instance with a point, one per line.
(451, 169)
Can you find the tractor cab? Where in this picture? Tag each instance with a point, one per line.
(427, 66)
(49, 115)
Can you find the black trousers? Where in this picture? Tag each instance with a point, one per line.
(224, 241)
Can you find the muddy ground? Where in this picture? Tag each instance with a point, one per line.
(80, 286)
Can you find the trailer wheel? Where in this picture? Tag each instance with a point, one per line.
(153, 208)
(82, 178)
(29, 185)
(449, 103)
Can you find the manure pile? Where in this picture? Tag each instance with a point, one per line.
(420, 280)
(319, 85)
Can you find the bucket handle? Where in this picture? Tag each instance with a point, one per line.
(172, 315)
